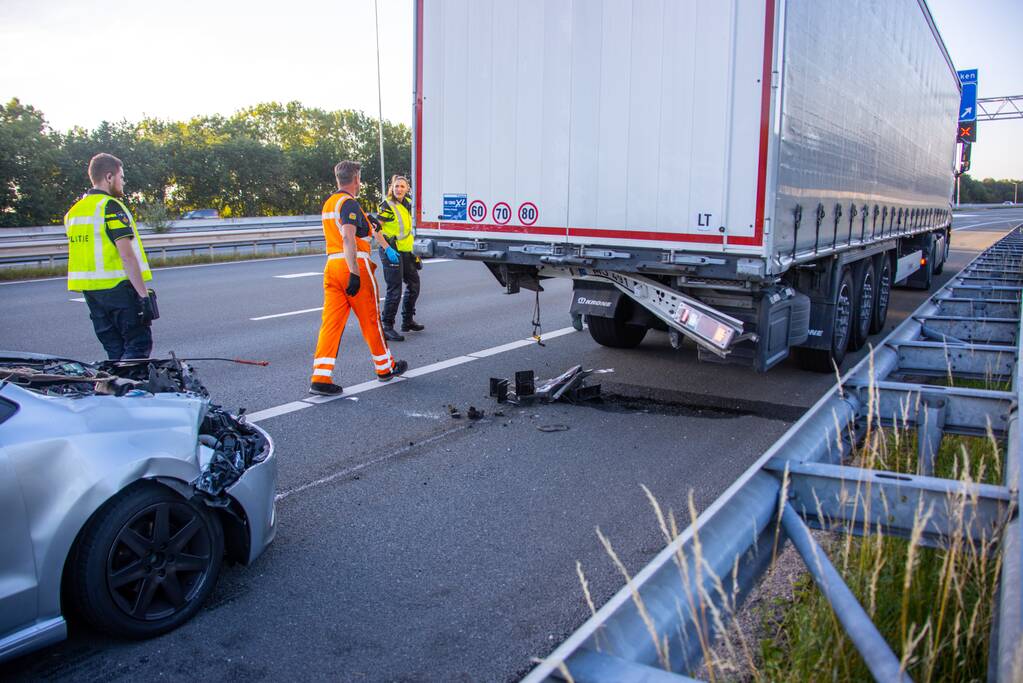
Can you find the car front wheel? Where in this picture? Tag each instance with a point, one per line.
(146, 562)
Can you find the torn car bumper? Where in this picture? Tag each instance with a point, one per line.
(256, 493)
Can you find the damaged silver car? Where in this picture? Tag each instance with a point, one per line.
(122, 490)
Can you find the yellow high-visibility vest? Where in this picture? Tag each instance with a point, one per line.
(400, 227)
(93, 260)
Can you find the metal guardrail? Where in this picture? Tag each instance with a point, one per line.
(197, 224)
(662, 620)
(52, 250)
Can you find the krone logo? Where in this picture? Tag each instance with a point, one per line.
(592, 302)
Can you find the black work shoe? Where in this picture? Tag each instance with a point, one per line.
(400, 366)
(390, 334)
(325, 388)
(411, 325)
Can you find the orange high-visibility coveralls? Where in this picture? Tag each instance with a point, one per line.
(337, 304)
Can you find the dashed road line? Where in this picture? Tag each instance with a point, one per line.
(302, 404)
(290, 276)
(284, 315)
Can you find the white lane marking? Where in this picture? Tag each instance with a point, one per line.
(494, 350)
(282, 315)
(80, 299)
(437, 260)
(414, 372)
(436, 367)
(290, 276)
(282, 409)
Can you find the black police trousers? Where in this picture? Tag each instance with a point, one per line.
(115, 317)
(394, 275)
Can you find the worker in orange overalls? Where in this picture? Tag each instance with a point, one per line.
(349, 283)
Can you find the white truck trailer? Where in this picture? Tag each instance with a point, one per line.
(755, 175)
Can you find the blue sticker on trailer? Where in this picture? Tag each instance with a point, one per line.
(455, 206)
(968, 103)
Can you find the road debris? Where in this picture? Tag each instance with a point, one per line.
(568, 386)
(474, 414)
(552, 428)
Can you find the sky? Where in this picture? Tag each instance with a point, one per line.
(184, 58)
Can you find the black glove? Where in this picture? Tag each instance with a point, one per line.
(353, 284)
(147, 314)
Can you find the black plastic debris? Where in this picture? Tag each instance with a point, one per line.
(568, 386)
(552, 428)
(474, 413)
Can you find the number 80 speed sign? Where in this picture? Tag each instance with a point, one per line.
(528, 213)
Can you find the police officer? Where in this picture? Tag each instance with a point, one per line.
(106, 262)
(396, 217)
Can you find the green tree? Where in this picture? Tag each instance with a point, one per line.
(269, 159)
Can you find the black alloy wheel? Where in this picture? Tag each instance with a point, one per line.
(843, 319)
(146, 562)
(159, 560)
(944, 253)
(884, 293)
(864, 288)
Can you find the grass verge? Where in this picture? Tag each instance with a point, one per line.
(933, 606)
(37, 272)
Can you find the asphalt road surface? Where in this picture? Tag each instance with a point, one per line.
(414, 546)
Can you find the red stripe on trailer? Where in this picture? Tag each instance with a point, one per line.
(603, 233)
(418, 132)
(765, 131)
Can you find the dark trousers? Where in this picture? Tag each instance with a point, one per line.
(394, 274)
(115, 317)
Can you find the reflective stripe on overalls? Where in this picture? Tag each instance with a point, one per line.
(337, 304)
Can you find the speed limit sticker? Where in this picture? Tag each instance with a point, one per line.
(502, 213)
(528, 213)
(477, 211)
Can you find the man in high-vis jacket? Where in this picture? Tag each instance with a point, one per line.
(349, 283)
(106, 262)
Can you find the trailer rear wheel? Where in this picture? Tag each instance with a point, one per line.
(615, 333)
(883, 296)
(864, 289)
(944, 256)
(826, 360)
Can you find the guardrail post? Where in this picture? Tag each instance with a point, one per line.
(931, 428)
(878, 657)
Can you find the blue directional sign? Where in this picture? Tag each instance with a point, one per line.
(968, 103)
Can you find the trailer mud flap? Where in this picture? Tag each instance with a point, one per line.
(595, 299)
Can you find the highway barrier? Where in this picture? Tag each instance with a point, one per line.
(661, 624)
(51, 250)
